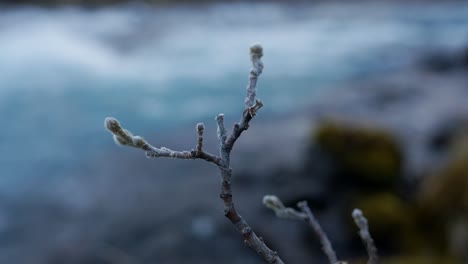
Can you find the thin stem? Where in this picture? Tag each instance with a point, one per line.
(200, 130)
(365, 235)
(281, 211)
(225, 146)
(124, 137)
(326, 244)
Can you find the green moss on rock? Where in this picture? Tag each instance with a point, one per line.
(446, 191)
(368, 153)
(443, 201)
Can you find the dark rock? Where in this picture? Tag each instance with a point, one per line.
(443, 61)
(369, 155)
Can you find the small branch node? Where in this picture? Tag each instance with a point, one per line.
(246, 231)
(256, 50)
(253, 110)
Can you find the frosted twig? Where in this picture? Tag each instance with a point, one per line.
(364, 233)
(256, 53)
(200, 130)
(281, 211)
(326, 244)
(274, 203)
(225, 146)
(124, 137)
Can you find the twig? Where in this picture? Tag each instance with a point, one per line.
(252, 105)
(125, 138)
(281, 211)
(225, 146)
(364, 233)
(256, 53)
(200, 130)
(326, 244)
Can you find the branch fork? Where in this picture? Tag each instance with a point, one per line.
(226, 143)
(274, 203)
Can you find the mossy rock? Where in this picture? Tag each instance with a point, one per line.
(443, 200)
(445, 192)
(370, 154)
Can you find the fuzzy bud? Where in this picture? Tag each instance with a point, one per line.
(359, 217)
(220, 118)
(112, 124)
(200, 127)
(272, 202)
(256, 50)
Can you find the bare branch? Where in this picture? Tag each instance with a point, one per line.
(252, 105)
(364, 233)
(200, 130)
(225, 146)
(256, 53)
(326, 244)
(274, 203)
(125, 138)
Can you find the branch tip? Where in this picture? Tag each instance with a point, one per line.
(200, 127)
(256, 49)
(222, 134)
(272, 202)
(219, 117)
(256, 52)
(112, 124)
(302, 204)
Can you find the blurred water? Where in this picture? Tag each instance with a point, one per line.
(63, 70)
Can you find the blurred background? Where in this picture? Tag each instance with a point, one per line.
(365, 106)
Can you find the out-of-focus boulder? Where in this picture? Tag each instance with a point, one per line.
(444, 198)
(392, 221)
(369, 154)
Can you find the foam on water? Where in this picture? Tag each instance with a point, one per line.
(64, 70)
